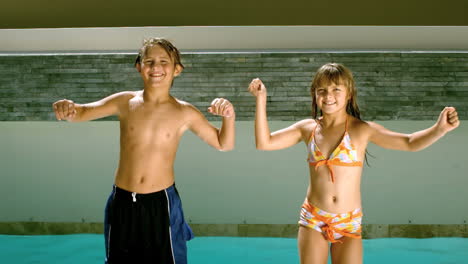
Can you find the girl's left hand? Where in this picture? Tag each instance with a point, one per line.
(448, 119)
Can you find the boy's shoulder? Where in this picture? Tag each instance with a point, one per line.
(126, 95)
(132, 93)
(186, 106)
(183, 103)
(189, 111)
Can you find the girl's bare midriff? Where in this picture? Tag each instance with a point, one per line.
(341, 196)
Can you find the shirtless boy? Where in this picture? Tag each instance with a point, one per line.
(144, 221)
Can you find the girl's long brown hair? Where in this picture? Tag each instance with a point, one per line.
(335, 73)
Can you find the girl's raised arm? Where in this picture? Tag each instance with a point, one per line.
(448, 121)
(265, 140)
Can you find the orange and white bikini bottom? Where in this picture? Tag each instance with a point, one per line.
(332, 226)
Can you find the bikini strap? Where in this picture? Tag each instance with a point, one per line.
(346, 124)
(315, 128)
(313, 131)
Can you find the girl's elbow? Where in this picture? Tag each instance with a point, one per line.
(259, 146)
(262, 147)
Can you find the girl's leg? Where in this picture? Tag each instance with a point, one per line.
(313, 248)
(350, 251)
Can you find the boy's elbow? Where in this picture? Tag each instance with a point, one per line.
(414, 148)
(411, 145)
(76, 119)
(225, 148)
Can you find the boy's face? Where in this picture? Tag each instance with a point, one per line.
(157, 67)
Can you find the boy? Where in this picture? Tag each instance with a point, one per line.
(144, 220)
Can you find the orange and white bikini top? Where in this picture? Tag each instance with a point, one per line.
(344, 155)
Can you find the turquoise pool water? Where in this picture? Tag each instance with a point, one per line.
(89, 248)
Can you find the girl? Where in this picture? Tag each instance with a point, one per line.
(336, 140)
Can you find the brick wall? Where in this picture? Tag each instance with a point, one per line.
(391, 85)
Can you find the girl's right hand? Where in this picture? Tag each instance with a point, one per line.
(257, 88)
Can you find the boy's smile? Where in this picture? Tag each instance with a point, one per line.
(158, 67)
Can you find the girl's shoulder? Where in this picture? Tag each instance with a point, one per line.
(356, 122)
(306, 123)
(359, 126)
(306, 126)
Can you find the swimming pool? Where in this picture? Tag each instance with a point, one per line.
(89, 248)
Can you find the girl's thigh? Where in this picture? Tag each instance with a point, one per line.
(350, 251)
(313, 247)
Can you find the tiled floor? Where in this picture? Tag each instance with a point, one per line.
(89, 248)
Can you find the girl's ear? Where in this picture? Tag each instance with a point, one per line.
(349, 94)
(138, 67)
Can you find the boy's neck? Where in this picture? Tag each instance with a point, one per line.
(156, 94)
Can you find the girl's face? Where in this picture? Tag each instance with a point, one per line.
(332, 99)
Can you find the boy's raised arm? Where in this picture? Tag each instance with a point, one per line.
(223, 138)
(68, 110)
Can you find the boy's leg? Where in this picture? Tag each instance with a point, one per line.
(180, 232)
(107, 224)
(138, 228)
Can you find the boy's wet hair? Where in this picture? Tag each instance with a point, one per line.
(338, 74)
(165, 44)
(137, 60)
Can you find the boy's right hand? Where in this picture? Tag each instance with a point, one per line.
(257, 88)
(64, 109)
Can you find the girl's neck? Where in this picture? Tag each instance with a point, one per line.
(335, 119)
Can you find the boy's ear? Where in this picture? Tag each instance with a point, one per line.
(178, 70)
(138, 67)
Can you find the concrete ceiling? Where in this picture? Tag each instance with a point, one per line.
(242, 25)
(258, 38)
(140, 13)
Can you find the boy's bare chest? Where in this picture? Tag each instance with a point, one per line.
(157, 122)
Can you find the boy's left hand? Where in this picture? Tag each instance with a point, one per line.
(221, 107)
(448, 119)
